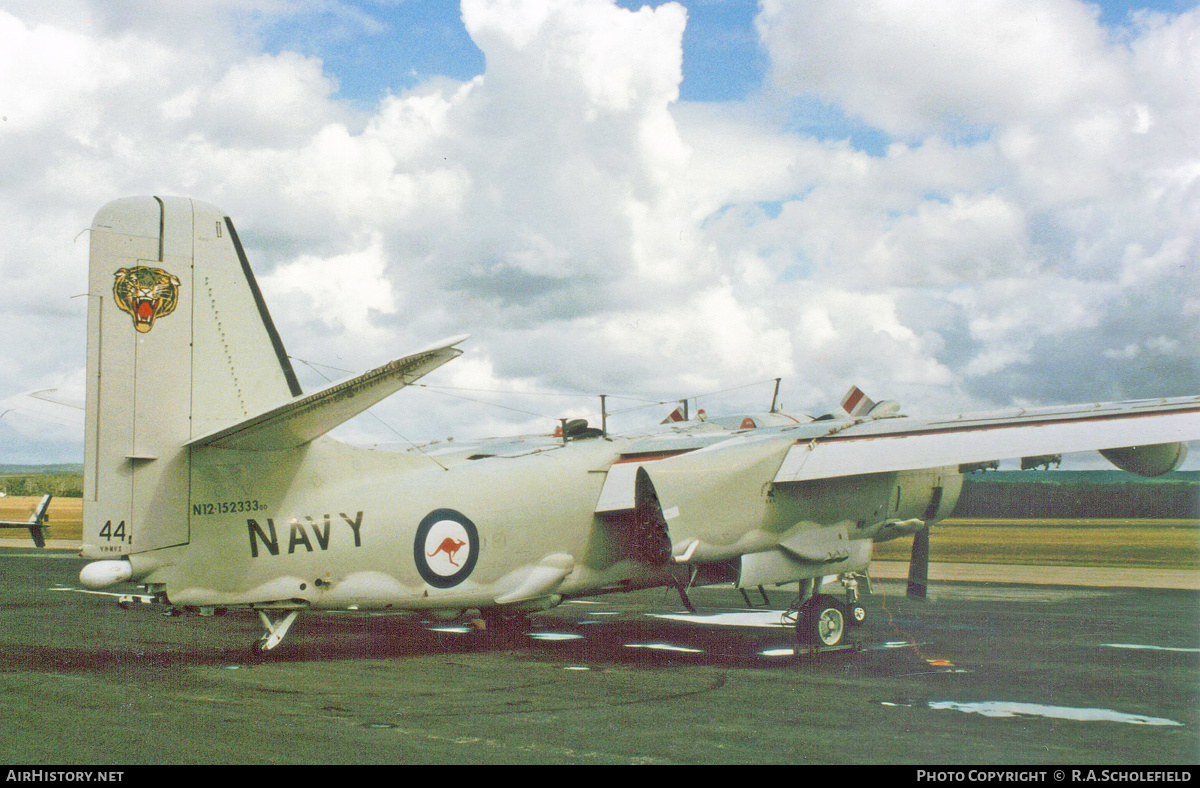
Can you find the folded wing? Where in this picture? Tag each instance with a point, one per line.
(1143, 436)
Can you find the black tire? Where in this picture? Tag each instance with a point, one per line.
(257, 653)
(822, 622)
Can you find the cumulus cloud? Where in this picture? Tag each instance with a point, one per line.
(344, 291)
(914, 68)
(1053, 205)
(1028, 231)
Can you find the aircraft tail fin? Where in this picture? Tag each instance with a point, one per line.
(856, 402)
(38, 519)
(675, 415)
(179, 343)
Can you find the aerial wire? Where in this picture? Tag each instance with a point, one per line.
(446, 391)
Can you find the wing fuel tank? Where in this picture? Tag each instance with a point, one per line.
(779, 566)
(1148, 460)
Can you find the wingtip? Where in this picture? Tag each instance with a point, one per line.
(442, 344)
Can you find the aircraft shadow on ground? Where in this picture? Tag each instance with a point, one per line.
(138, 641)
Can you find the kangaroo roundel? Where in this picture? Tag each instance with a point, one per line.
(445, 548)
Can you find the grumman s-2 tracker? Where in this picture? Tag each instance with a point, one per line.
(209, 478)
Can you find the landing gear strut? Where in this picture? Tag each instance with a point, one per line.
(275, 631)
(822, 620)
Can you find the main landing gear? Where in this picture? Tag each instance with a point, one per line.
(822, 620)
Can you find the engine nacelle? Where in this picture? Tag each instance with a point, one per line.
(1152, 460)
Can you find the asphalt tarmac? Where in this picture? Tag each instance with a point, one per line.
(981, 674)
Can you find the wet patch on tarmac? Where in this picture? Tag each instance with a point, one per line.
(1008, 709)
(1139, 647)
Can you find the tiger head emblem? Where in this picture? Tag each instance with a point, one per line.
(146, 294)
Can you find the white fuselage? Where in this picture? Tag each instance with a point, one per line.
(332, 526)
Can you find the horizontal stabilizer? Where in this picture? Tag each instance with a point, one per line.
(306, 418)
(897, 444)
(53, 405)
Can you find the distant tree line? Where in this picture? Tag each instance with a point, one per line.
(1031, 494)
(1070, 494)
(64, 485)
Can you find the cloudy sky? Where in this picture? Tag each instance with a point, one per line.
(960, 205)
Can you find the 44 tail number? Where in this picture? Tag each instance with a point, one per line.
(108, 533)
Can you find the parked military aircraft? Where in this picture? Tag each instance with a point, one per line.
(210, 480)
(36, 522)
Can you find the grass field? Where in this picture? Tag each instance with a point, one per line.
(1149, 544)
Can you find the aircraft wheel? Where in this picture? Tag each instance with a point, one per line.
(855, 614)
(258, 650)
(822, 621)
(502, 620)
